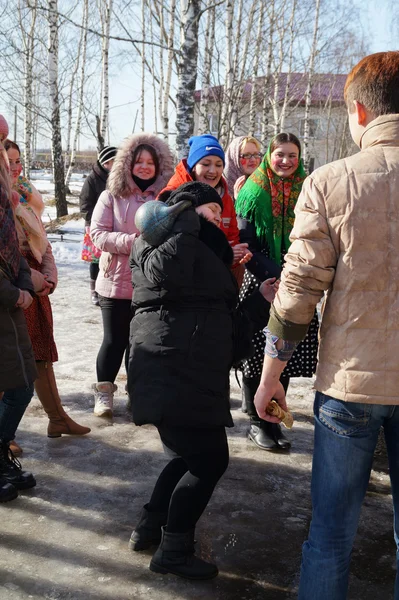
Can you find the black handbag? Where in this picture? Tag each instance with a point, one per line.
(243, 347)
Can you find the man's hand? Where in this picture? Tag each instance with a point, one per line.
(24, 300)
(264, 395)
(270, 388)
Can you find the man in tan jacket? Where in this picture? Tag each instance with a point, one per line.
(345, 244)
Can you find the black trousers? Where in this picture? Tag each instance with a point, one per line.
(116, 316)
(186, 484)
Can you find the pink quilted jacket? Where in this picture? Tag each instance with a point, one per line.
(112, 225)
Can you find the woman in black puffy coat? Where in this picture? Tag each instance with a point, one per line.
(182, 349)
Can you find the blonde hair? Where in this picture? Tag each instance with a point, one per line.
(250, 140)
(5, 180)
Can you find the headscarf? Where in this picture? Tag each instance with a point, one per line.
(9, 248)
(29, 227)
(29, 195)
(233, 169)
(268, 201)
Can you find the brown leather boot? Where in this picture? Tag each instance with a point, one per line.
(46, 389)
(15, 448)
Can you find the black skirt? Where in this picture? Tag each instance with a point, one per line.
(304, 360)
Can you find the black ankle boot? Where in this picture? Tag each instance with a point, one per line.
(147, 532)
(176, 555)
(11, 470)
(279, 437)
(261, 435)
(7, 491)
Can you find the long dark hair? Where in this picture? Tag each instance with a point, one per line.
(137, 153)
(285, 138)
(9, 144)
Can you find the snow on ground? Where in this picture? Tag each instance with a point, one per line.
(67, 245)
(67, 538)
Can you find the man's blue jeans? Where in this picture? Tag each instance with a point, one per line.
(12, 408)
(346, 435)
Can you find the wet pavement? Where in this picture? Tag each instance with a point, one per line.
(67, 538)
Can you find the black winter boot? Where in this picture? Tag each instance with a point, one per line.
(11, 470)
(261, 434)
(7, 491)
(279, 437)
(176, 555)
(147, 532)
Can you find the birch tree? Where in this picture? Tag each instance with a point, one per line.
(77, 132)
(56, 144)
(254, 88)
(203, 124)
(168, 77)
(289, 69)
(28, 40)
(69, 143)
(103, 125)
(187, 74)
(228, 83)
(265, 103)
(143, 63)
(308, 93)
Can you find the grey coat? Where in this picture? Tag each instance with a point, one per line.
(17, 364)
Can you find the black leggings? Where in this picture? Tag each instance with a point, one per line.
(94, 270)
(186, 484)
(116, 316)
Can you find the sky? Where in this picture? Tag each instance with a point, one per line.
(125, 87)
(125, 83)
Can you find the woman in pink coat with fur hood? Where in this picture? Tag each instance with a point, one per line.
(142, 167)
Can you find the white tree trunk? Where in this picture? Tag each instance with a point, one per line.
(143, 61)
(245, 53)
(236, 84)
(254, 88)
(56, 144)
(228, 82)
(68, 157)
(83, 50)
(308, 93)
(28, 38)
(152, 70)
(266, 102)
(277, 74)
(105, 69)
(188, 65)
(168, 79)
(289, 69)
(203, 123)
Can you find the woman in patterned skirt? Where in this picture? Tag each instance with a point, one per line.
(265, 211)
(35, 248)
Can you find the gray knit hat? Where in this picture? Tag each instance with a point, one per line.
(106, 154)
